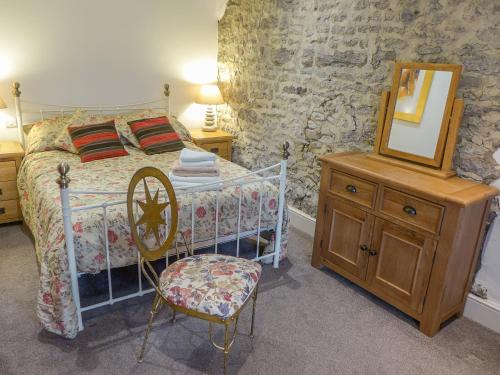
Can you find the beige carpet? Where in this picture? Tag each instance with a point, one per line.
(308, 322)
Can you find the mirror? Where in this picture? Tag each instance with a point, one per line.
(419, 111)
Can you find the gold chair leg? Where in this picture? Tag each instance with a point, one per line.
(253, 310)
(154, 309)
(226, 346)
(228, 339)
(174, 314)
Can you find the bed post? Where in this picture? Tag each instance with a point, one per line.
(19, 117)
(63, 181)
(166, 92)
(281, 204)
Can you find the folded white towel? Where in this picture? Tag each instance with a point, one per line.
(197, 164)
(195, 180)
(179, 184)
(188, 155)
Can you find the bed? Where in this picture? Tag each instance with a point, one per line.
(82, 227)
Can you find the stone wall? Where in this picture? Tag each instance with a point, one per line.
(311, 72)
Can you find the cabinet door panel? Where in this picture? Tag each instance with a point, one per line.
(401, 264)
(347, 230)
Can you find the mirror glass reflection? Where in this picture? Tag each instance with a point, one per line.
(418, 115)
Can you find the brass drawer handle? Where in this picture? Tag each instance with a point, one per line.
(410, 210)
(2, 210)
(372, 253)
(215, 150)
(351, 189)
(363, 248)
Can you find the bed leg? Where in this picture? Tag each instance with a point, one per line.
(281, 205)
(63, 182)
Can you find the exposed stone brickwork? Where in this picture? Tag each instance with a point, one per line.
(311, 72)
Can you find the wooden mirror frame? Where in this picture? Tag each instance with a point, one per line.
(449, 127)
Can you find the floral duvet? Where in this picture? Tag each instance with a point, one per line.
(41, 207)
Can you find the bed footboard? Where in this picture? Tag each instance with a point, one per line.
(275, 173)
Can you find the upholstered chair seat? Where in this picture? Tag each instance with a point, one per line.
(217, 285)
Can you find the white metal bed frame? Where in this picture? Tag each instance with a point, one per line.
(241, 181)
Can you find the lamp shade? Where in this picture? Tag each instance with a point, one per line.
(209, 95)
(2, 104)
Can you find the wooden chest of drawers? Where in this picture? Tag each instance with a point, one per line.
(11, 154)
(410, 238)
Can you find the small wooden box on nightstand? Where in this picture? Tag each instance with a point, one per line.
(11, 154)
(219, 142)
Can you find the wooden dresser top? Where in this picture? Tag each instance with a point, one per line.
(454, 189)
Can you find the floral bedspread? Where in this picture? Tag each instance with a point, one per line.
(41, 207)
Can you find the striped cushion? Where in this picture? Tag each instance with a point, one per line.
(156, 135)
(97, 141)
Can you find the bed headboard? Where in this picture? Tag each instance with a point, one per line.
(31, 111)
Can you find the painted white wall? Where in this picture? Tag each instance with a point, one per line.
(221, 8)
(489, 275)
(421, 139)
(107, 52)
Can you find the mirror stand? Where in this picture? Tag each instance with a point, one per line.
(445, 171)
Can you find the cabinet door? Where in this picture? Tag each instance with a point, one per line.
(347, 237)
(400, 264)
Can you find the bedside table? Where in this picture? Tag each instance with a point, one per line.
(11, 154)
(219, 142)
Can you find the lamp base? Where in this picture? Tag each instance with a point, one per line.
(210, 125)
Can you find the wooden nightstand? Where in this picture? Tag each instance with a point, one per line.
(219, 142)
(11, 154)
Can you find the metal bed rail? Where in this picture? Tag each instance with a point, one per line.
(218, 187)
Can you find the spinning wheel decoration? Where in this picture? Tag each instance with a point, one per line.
(152, 211)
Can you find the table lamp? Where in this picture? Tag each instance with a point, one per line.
(209, 95)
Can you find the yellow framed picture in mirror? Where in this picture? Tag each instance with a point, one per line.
(414, 87)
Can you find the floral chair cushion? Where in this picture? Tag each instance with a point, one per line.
(212, 284)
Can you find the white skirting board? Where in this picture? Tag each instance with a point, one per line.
(484, 312)
(302, 221)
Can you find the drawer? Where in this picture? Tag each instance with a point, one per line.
(9, 210)
(8, 190)
(353, 188)
(413, 210)
(219, 148)
(8, 171)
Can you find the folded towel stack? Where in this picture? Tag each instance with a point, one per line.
(194, 168)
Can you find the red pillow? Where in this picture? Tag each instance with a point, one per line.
(97, 141)
(156, 135)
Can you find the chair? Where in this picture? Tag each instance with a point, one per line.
(211, 287)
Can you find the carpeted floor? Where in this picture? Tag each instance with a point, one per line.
(308, 322)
